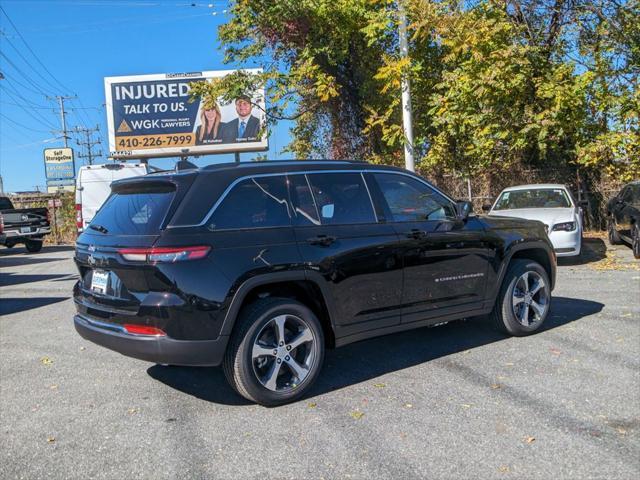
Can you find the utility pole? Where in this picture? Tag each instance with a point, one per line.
(89, 143)
(407, 122)
(63, 121)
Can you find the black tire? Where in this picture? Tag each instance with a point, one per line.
(635, 237)
(503, 315)
(238, 363)
(33, 246)
(614, 238)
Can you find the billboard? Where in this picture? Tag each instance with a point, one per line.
(59, 164)
(151, 116)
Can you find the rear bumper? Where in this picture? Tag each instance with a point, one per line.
(16, 234)
(164, 350)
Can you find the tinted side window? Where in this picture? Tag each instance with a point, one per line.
(410, 200)
(304, 206)
(341, 198)
(252, 203)
(635, 194)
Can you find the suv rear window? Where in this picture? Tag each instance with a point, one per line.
(135, 212)
(258, 202)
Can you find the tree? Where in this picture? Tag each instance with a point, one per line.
(495, 83)
(319, 69)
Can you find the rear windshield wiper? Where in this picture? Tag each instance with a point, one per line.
(99, 228)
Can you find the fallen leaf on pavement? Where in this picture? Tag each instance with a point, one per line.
(312, 405)
(466, 405)
(46, 361)
(379, 385)
(53, 387)
(503, 469)
(408, 405)
(496, 386)
(357, 414)
(51, 439)
(530, 439)
(555, 351)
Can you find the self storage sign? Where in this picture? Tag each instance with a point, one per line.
(154, 116)
(59, 165)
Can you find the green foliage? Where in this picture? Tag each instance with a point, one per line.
(494, 83)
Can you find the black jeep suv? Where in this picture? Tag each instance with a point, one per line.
(261, 266)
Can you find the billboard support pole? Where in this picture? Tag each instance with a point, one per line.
(237, 156)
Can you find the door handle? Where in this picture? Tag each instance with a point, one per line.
(323, 240)
(416, 234)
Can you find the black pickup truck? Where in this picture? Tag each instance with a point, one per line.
(27, 225)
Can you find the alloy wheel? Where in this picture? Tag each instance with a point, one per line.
(530, 299)
(283, 353)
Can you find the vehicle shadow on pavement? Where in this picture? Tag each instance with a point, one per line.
(7, 279)
(7, 261)
(593, 250)
(15, 305)
(363, 361)
(5, 252)
(369, 359)
(205, 383)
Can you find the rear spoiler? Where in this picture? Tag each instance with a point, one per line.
(165, 182)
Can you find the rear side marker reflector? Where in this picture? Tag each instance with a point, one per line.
(164, 255)
(144, 330)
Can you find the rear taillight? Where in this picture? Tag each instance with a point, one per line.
(79, 224)
(144, 330)
(164, 254)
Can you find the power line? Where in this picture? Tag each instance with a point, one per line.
(8, 80)
(117, 24)
(22, 107)
(63, 119)
(21, 125)
(29, 63)
(37, 107)
(30, 49)
(122, 3)
(24, 75)
(89, 143)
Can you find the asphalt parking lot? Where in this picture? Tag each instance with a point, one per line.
(456, 401)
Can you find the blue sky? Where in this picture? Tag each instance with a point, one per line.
(80, 42)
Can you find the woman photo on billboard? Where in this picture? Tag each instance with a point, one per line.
(208, 130)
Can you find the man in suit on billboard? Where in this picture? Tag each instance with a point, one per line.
(245, 127)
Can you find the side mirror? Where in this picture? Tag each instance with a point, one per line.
(327, 210)
(486, 207)
(463, 209)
